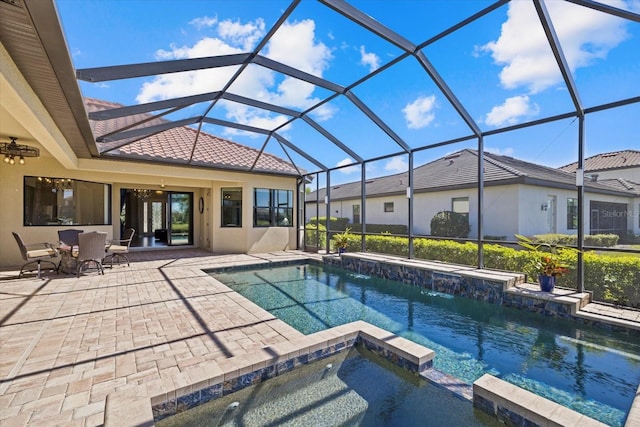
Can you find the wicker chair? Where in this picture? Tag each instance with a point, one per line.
(120, 248)
(91, 249)
(36, 253)
(68, 239)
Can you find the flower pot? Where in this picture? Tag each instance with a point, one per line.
(547, 283)
(341, 251)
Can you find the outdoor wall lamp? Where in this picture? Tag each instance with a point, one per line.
(544, 207)
(13, 151)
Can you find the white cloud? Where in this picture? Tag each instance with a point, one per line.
(348, 170)
(586, 35)
(369, 59)
(204, 22)
(420, 113)
(511, 111)
(245, 35)
(293, 44)
(396, 165)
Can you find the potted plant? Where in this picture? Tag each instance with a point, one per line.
(341, 240)
(546, 262)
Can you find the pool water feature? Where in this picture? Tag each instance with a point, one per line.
(587, 369)
(342, 389)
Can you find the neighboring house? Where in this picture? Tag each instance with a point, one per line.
(619, 165)
(519, 197)
(219, 196)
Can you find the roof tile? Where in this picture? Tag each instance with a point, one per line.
(181, 144)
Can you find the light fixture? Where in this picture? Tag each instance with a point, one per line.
(56, 184)
(11, 150)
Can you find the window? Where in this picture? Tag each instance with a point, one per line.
(64, 201)
(572, 214)
(272, 208)
(231, 207)
(356, 214)
(460, 205)
(388, 206)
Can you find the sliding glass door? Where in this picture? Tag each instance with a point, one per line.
(181, 218)
(160, 218)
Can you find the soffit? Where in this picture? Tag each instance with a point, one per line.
(47, 69)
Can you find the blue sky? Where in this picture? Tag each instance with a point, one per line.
(499, 68)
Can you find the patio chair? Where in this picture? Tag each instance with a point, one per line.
(68, 239)
(120, 248)
(91, 247)
(36, 253)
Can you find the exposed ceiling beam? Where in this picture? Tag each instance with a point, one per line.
(622, 13)
(366, 21)
(554, 43)
(300, 152)
(152, 106)
(377, 120)
(117, 72)
(149, 130)
(332, 138)
(298, 74)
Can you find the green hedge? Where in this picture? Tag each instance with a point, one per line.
(382, 228)
(601, 240)
(611, 279)
(315, 233)
(335, 224)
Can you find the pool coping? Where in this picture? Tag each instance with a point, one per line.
(505, 288)
(134, 406)
(142, 406)
(507, 402)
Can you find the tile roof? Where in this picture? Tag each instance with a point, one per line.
(176, 145)
(608, 161)
(460, 170)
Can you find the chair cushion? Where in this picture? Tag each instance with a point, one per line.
(44, 252)
(118, 248)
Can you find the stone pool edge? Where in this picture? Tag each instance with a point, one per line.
(142, 406)
(134, 406)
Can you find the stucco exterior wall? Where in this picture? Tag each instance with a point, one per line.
(631, 174)
(208, 232)
(508, 210)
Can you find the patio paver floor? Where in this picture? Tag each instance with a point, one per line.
(67, 342)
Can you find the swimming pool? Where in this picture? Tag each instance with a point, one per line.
(342, 389)
(592, 371)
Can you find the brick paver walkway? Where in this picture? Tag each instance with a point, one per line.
(67, 342)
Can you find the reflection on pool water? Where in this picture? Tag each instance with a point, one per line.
(592, 371)
(354, 387)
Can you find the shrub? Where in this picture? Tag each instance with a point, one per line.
(315, 234)
(382, 228)
(613, 279)
(450, 224)
(601, 240)
(335, 224)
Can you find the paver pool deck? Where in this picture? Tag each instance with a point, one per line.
(67, 342)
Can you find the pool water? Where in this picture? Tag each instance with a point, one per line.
(590, 370)
(341, 390)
